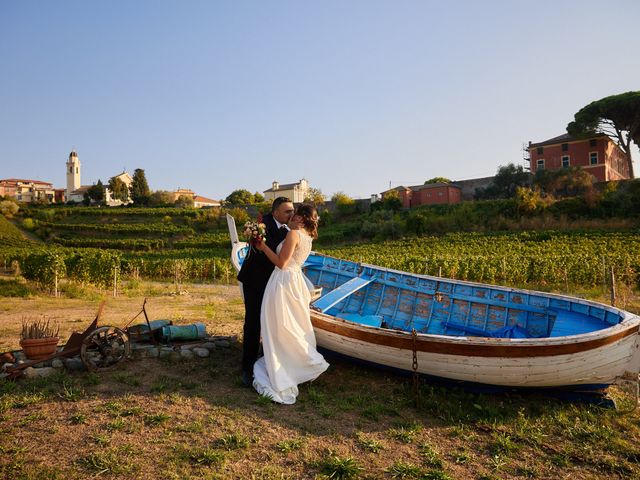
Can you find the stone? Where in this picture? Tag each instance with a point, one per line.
(222, 343)
(201, 352)
(7, 365)
(31, 372)
(7, 357)
(165, 352)
(20, 356)
(3, 375)
(209, 346)
(187, 347)
(153, 352)
(186, 354)
(57, 363)
(74, 364)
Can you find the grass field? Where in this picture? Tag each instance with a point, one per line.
(154, 419)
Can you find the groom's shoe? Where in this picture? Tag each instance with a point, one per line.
(247, 380)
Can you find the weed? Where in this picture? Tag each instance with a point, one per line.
(127, 379)
(111, 461)
(91, 379)
(402, 434)
(430, 457)
(71, 393)
(102, 440)
(368, 443)
(233, 441)
(503, 445)
(117, 424)
(338, 468)
(192, 427)
(264, 400)
(206, 456)
(31, 418)
(78, 418)
(435, 475)
(404, 470)
(156, 419)
(286, 446)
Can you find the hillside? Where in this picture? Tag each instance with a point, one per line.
(10, 235)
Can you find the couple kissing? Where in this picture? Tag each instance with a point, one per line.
(276, 297)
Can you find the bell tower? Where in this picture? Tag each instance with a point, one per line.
(73, 173)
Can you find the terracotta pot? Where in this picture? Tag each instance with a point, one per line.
(39, 348)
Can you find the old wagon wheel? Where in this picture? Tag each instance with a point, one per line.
(104, 347)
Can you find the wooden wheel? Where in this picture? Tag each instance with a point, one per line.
(103, 348)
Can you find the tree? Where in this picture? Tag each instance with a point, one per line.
(343, 202)
(240, 197)
(140, 192)
(95, 193)
(119, 189)
(567, 181)
(9, 208)
(258, 198)
(437, 180)
(184, 201)
(315, 196)
(160, 198)
(617, 116)
(506, 182)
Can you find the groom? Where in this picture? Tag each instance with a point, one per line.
(254, 275)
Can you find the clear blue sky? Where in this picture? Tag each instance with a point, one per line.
(351, 95)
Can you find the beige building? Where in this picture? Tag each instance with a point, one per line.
(297, 192)
(27, 190)
(200, 202)
(108, 196)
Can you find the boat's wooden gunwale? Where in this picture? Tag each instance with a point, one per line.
(476, 346)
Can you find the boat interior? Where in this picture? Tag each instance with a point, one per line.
(378, 297)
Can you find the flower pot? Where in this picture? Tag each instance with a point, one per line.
(39, 348)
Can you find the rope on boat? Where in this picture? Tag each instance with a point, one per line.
(416, 377)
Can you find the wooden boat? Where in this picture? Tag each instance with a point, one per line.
(465, 331)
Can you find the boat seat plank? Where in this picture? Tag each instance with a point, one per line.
(368, 320)
(327, 301)
(573, 323)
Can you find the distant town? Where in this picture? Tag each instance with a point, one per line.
(599, 156)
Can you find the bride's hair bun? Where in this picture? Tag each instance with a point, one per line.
(309, 216)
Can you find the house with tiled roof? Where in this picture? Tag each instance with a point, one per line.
(598, 155)
(25, 190)
(297, 192)
(427, 194)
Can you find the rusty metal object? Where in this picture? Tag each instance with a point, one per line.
(103, 348)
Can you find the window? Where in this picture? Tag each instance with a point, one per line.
(540, 150)
(71, 169)
(540, 164)
(593, 158)
(593, 142)
(565, 161)
(565, 147)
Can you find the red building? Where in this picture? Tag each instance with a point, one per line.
(600, 156)
(429, 194)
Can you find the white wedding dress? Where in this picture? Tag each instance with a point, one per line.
(289, 344)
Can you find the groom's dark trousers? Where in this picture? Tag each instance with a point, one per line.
(254, 275)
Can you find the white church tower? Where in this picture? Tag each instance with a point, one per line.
(73, 173)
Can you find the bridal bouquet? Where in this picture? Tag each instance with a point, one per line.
(255, 232)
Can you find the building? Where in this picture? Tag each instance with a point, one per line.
(182, 192)
(429, 194)
(125, 178)
(75, 191)
(200, 202)
(27, 191)
(297, 192)
(600, 156)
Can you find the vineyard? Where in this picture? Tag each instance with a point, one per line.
(101, 246)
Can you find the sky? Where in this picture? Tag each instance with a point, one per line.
(353, 95)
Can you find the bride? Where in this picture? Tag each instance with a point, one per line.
(289, 344)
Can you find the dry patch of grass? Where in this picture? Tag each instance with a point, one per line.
(153, 419)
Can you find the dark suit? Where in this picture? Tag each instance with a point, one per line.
(254, 275)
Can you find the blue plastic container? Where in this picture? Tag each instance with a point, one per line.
(183, 333)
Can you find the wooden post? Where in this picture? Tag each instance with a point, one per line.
(214, 271)
(55, 291)
(115, 280)
(604, 274)
(566, 280)
(612, 279)
(440, 271)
